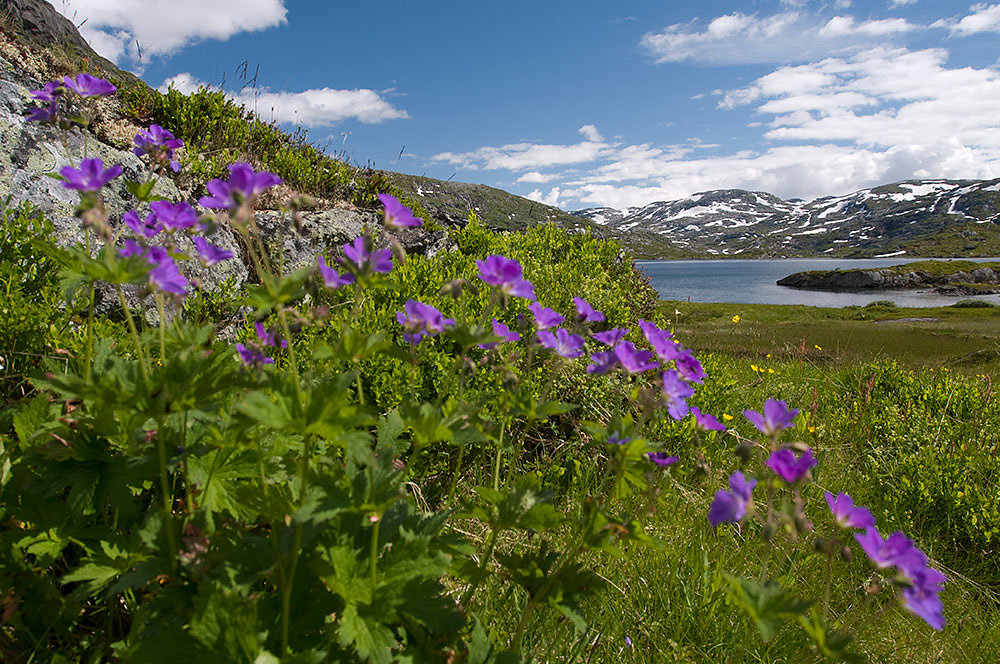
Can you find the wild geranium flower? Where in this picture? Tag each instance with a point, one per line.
(731, 506)
(331, 278)
(420, 320)
(921, 598)
(90, 177)
(506, 274)
(689, 367)
(661, 459)
(268, 338)
(545, 317)
(661, 340)
(603, 362)
(706, 422)
(86, 85)
(632, 359)
(167, 277)
(132, 248)
(360, 260)
(147, 228)
(44, 114)
(616, 439)
(562, 342)
(895, 550)
(587, 313)
(174, 216)
(776, 417)
(611, 337)
(253, 357)
(398, 215)
(242, 186)
(846, 514)
(502, 331)
(676, 392)
(159, 143)
(788, 467)
(50, 92)
(210, 254)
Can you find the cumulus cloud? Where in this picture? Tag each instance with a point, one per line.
(523, 156)
(789, 36)
(985, 18)
(828, 127)
(319, 107)
(114, 26)
(551, 198)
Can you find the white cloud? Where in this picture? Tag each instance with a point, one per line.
(830, 127)
(521, 156)
(551, 198)
(591, 134)
(113, 26)
(986, 18)
(901, 3)
(534, 177)
(320, 107)
(789, 36)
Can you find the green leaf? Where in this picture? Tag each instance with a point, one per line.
(767, 605)
(30, 418)
(832, 643)
(370, 638)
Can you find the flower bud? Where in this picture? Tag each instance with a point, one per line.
(454, 287)
(769, 531)
(821, 545)
(397, 250)
(846, 553)
(744, 451)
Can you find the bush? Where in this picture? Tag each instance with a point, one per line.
(972, 303)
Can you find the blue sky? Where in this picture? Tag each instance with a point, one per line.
(593, 103)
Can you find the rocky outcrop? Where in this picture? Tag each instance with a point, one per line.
(955, 282)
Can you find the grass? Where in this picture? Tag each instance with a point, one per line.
(889, 406)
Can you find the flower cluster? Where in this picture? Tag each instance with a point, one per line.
(55, 92)
(421, 320)
(252, 353)
(158, 144)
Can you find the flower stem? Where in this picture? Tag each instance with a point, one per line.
(496, 464)
(481, 572)
(374, 558)
(139, 348)
(167, 500)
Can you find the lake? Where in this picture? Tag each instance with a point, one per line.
(752, 281)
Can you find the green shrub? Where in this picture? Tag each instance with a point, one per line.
(972, 303)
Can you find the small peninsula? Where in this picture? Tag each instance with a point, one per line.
(952, 277)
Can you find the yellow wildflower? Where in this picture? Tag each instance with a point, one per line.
(737, 318)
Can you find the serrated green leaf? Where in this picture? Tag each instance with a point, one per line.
(370, 638)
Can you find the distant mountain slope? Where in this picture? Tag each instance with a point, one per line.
(918, 217)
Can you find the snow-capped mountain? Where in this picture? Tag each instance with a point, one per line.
(918, 217)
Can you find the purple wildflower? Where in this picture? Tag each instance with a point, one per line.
(545, 317)
(922, 599)
(147, 228)
(603, 362)
(167, 277)
(210, 254)
(846, 514)
(398, 215)
(706, 422)
(159, 143)
(617, 439)
(688, 366)
(562, 342)
(676, 391)
(132, 248)
(242, 186)
(611, 337)
(90, 177)
(587, 313)
(661, 340)
(897, 549)
(776, 417)
(661, 459)
(420, 320)
(86, 85)
(174, 216)
(731, 506)
(502, 331)
(331, 278)
(253, 357)
(632, 359)
(51, 92)
(268, 338)
(361, 260)
(44, 114)
(789, 468)
(506, 274)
